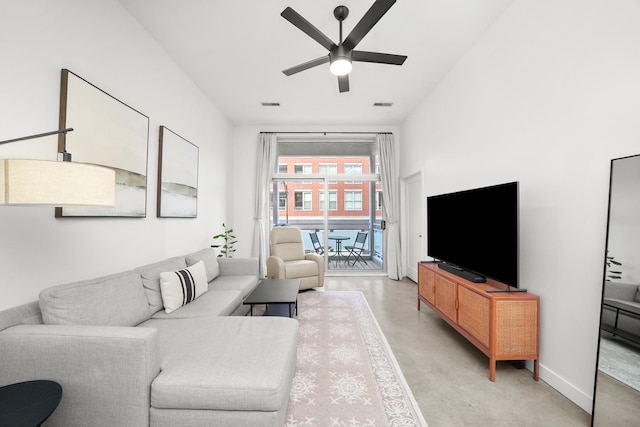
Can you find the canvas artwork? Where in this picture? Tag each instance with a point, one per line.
(177, 176)
(109, 133)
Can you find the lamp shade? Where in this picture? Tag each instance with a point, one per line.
(52, 183)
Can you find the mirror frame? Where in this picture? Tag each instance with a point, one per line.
(604, 276)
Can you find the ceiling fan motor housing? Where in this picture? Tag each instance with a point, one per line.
(340, 52)
(341, 13)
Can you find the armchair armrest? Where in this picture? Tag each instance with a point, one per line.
(320, 260)
(275, 268)
(238, 266)
(105, 371)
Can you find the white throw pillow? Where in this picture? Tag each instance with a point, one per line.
(179, 288)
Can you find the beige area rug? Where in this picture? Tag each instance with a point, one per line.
(347, 374)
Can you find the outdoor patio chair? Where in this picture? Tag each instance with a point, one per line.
(315, 241)
(357, 249)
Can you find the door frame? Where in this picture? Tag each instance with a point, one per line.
(409, 259)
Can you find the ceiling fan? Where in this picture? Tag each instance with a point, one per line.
(342, 54)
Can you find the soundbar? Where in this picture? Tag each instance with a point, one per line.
(461, 272)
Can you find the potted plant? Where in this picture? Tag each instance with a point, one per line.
(228, 240)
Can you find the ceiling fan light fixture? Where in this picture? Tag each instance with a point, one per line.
(340, 58)
(340, 66)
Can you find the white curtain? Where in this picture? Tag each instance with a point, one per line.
(391, 204)
(266, 165)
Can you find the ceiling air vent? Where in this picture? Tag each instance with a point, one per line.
(382, 104)
(270, 104)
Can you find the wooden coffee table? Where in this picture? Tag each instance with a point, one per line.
(275, 291)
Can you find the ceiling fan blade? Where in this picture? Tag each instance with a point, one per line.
(373, 15)
(306, 65)
(379, 58)
(305, 26)
(343, 83)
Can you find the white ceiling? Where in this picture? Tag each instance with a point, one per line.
(235, 52)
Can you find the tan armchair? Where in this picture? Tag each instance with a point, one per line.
(288, 260)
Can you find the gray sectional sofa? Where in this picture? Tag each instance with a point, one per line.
(123, 361)
(622, 300)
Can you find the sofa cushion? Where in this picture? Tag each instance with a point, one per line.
(207, 255)
(151, 279)
(181, 287)
(212, 303)
(246, 363)
(244, 284)
(115, 300)
(621, 291)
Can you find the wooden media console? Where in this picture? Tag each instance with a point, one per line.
(503, 325)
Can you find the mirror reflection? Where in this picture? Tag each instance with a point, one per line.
(617, 391)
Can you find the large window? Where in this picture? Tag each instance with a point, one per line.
(353, 200)
(330, 188)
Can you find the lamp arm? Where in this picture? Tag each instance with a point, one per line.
(63, 155)
(54, 132)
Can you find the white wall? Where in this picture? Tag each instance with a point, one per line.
(101, 42)
(547, 97)
(243, 173)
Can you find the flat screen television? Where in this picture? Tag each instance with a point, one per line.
(474, 233)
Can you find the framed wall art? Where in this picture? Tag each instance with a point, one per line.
(177, 176)
(106, 132)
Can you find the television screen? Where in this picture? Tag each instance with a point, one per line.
(476, 230)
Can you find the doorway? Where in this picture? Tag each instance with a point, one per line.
(414, 223)
(337, 205)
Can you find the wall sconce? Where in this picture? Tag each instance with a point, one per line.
(55, 183)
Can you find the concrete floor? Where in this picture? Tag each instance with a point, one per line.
(448, 376)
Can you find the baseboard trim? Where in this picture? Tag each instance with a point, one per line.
(577, 396)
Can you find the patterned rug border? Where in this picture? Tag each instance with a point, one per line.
(374, 339)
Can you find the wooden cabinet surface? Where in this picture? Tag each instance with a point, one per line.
(426, 285)
(447, 297)
(503, 325)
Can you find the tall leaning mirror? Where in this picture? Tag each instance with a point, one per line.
(617, 386)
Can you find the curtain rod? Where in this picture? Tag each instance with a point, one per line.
(330, 133)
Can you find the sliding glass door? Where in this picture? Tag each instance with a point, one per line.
(337, 203)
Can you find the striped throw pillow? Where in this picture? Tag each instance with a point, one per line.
(179, 288)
